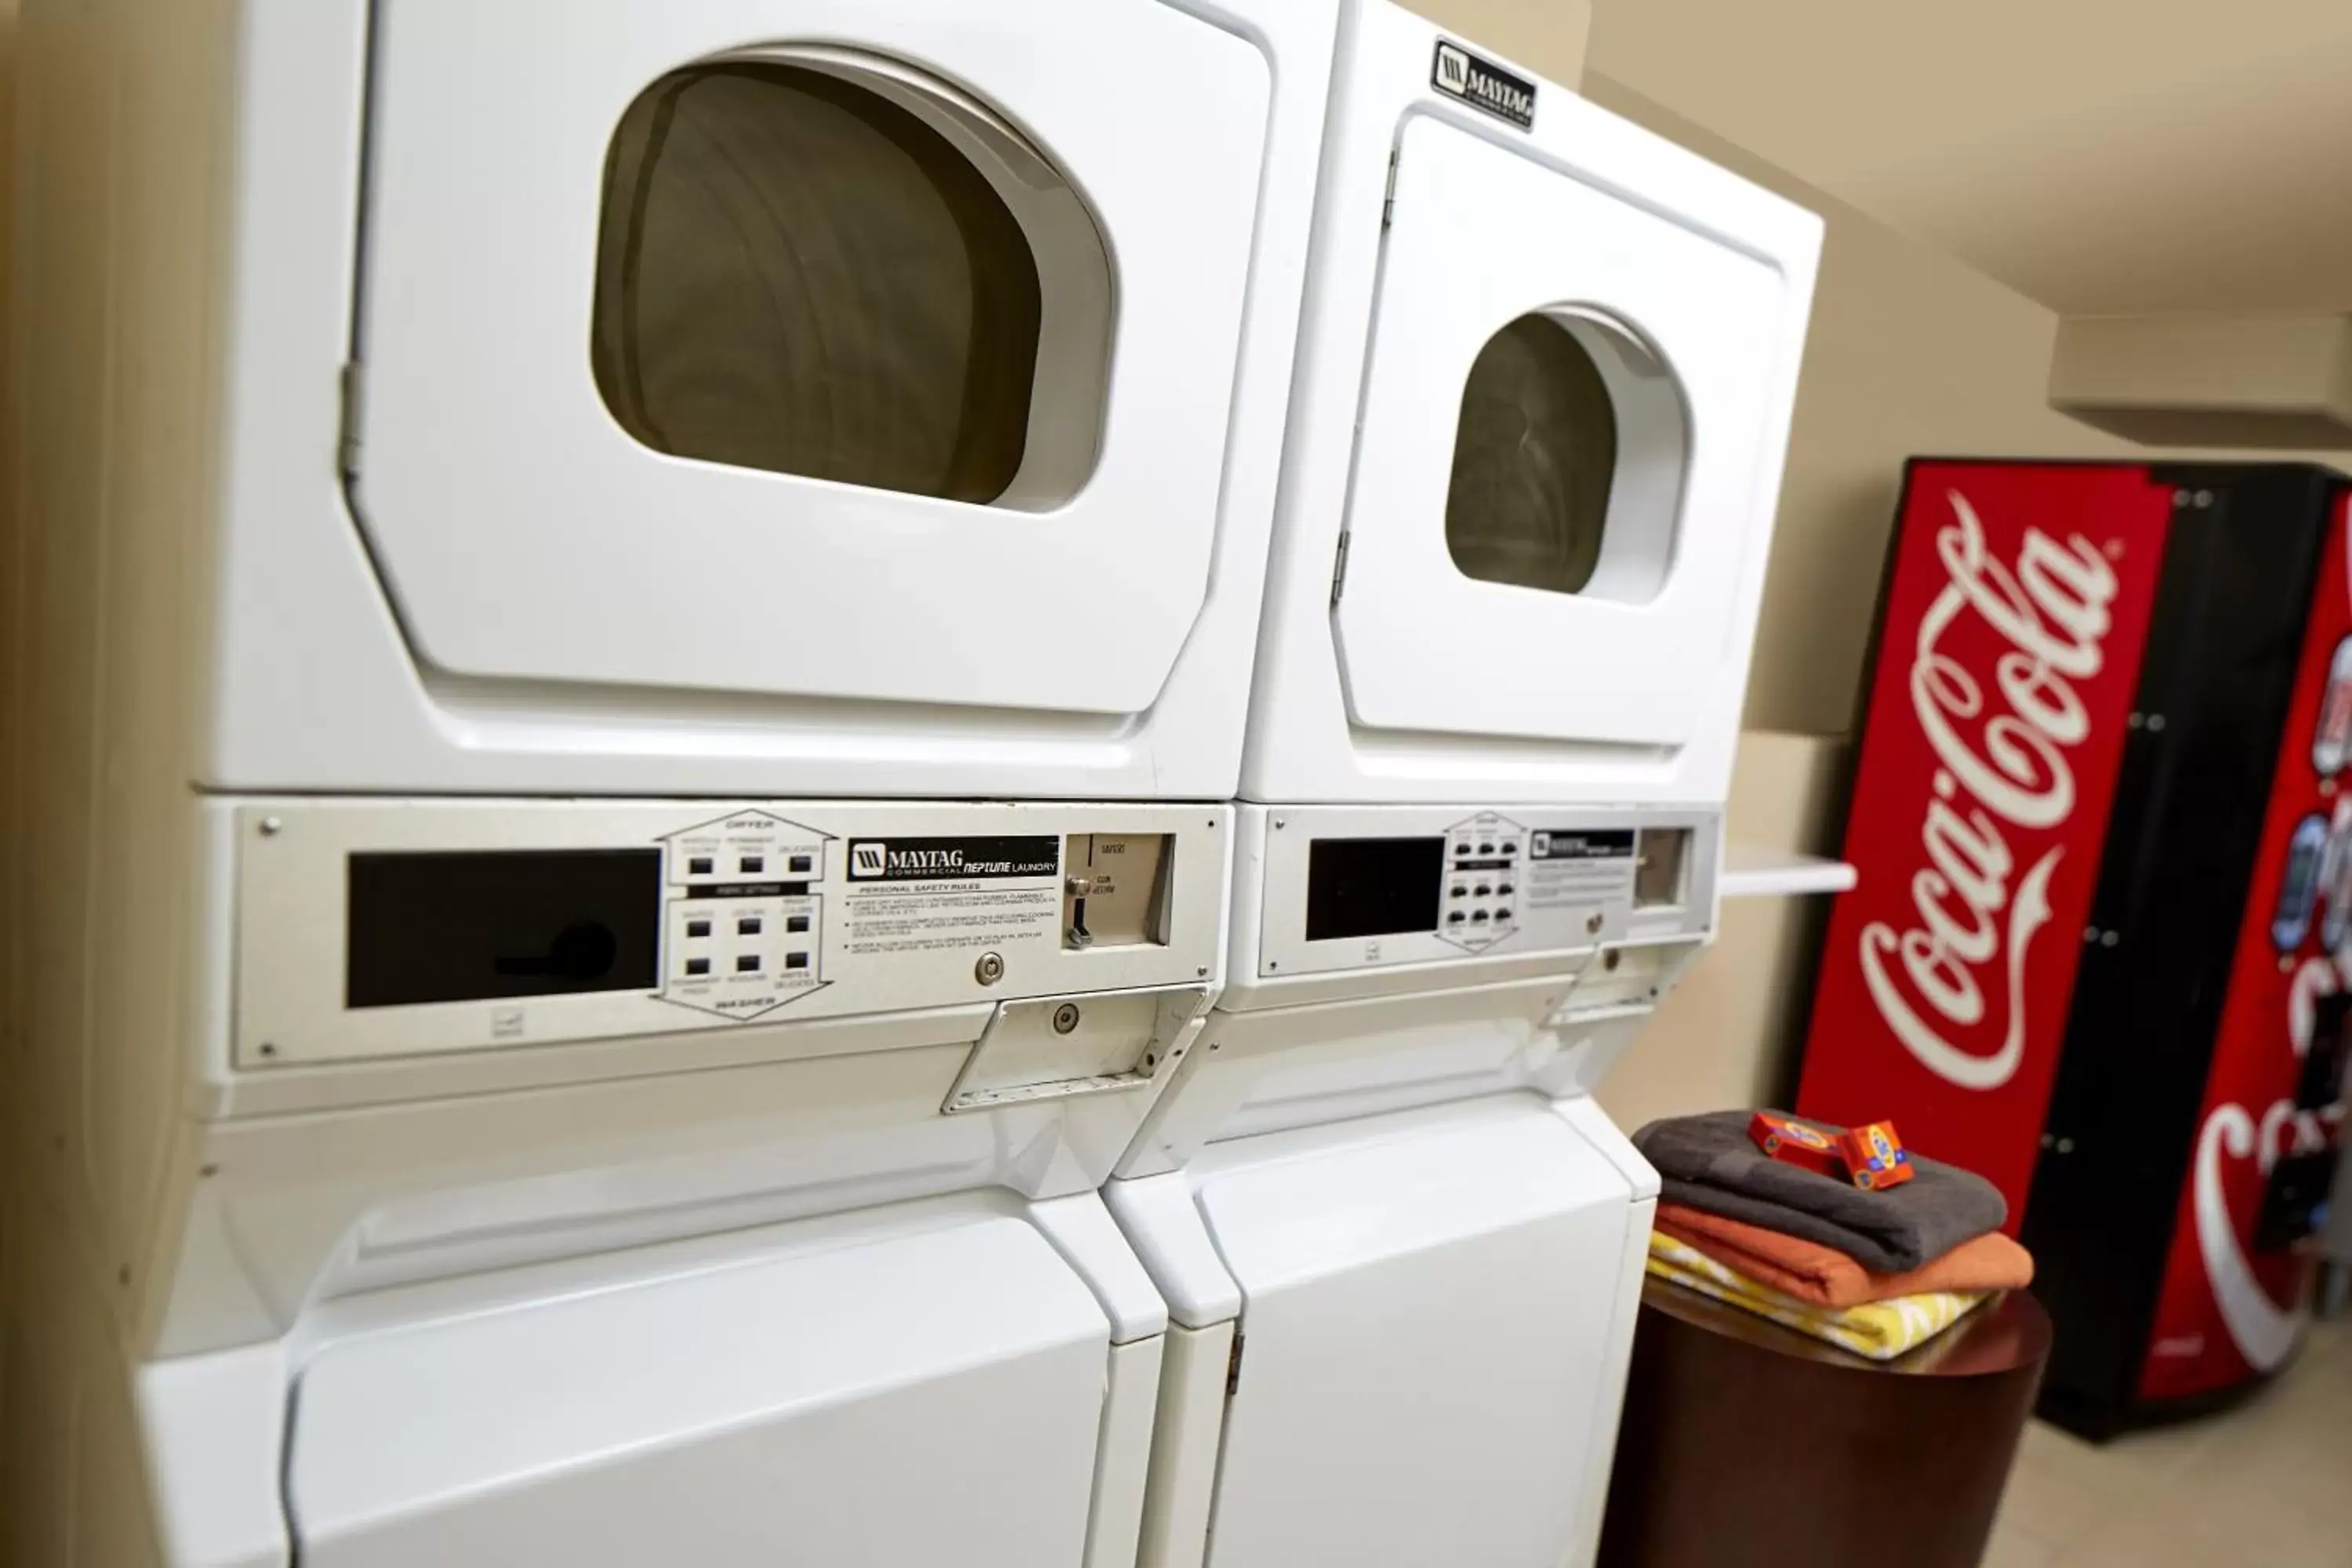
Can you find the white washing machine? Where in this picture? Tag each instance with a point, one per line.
(1542, 403)
(731, 397)
(1400, 1245)
(1544, 389)
(618, 1183)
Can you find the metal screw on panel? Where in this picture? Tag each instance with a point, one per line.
(271, 827)
(1203, 972)
(2065, 1145)
(2155, 722)
(2109, 938)
(2047, 1140)
(989, 970)
(1065, 1017)
(1594, 924)
(2134, 720)
(2180, 498)
(1610, 960)
(1282, 822)
(2204, 498)
(267, 1050)
(2090, 933)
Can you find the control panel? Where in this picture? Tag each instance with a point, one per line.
(372, 929)
(1351, 888)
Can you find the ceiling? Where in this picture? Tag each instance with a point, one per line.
(2101, 156)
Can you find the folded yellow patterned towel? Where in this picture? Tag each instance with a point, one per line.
(1879, 1329)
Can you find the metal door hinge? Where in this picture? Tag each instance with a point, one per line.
(1233, 1366)
(1388, 201)
(347, 441)
(1339, 568)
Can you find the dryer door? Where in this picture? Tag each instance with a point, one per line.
(899, 1402)
(1431, 1335)
(804, 347)
(1561, 473)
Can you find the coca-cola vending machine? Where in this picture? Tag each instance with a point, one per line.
(2104, 833)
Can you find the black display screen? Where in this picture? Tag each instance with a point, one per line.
(1373, 887)
(479, 926)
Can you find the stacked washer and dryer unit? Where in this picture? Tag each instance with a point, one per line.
(1545, 380)
(634, 628)
(641, 617)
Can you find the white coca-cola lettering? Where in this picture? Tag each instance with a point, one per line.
(2052, 610)
(2263, 1330)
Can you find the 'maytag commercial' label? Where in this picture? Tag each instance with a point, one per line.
(1482, 84)
(953, 860)
(1582, 844)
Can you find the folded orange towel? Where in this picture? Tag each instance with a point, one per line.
(1827, 1278)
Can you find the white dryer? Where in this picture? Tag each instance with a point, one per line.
(738, 396)
(1543, 397)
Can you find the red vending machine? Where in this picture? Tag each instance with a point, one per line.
(2101, 948)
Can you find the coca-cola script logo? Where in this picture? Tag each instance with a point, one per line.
(2264, 1331)
(1996, 772)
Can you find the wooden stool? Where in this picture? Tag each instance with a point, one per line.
(1743, 1442)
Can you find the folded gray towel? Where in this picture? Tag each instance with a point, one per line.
(1709, 1163)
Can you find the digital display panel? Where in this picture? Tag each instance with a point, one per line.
(1373, 887)
(484, 925)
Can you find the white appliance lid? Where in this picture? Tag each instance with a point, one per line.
(929, 1396)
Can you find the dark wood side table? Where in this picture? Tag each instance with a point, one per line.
(1746, 1443)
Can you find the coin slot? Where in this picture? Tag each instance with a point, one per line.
(1662, 859)
(1115, 890)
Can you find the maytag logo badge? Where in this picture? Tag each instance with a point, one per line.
(869, 860)
(1482, 84)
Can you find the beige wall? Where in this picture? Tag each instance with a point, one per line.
(1548, 37)
(1725, 1035)
(1911, 353)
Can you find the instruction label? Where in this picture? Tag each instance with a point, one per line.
(1582, 866)
(936, 918)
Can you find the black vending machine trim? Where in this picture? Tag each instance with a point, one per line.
(2223, 649)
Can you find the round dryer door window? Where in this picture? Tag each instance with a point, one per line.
(799, 275)
(1532, 461)
(810, 350)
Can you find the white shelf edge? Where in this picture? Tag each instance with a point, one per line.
(1753, 872)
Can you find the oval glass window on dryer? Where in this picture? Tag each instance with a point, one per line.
(1536, 448)
(771, 395)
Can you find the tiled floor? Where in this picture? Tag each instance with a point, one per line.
(2268, 1483)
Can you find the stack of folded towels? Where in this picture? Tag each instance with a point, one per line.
(1878, 1273)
